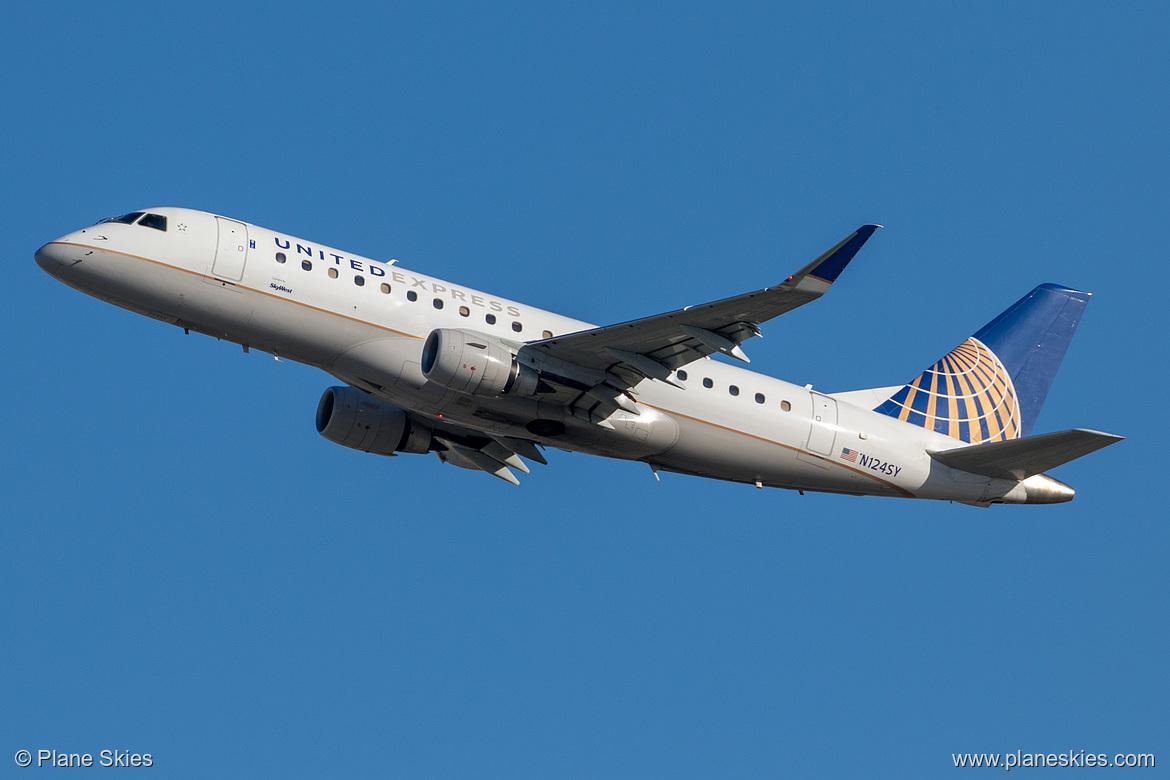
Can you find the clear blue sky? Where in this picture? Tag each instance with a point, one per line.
(191, 571)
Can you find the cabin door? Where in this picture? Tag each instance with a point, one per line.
(231, 250)
(823, 432)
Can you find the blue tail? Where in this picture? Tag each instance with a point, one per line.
(991, 387)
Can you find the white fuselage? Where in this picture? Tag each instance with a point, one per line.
(365, 321)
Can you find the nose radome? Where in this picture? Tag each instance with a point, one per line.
(51, 257)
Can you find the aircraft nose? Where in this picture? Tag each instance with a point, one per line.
(51, 258)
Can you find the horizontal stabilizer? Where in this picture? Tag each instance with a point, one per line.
(1022, 458)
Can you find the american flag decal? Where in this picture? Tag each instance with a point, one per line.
(849, 455)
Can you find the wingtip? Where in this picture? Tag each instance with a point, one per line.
(829, 266)
(1062, 289)
(1112, 437)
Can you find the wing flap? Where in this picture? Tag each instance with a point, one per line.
(521, 447)
(477, 450)
(1022, 458)
(473, 459)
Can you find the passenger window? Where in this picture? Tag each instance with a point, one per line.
(411, 295)
(546, 334)
(759, 398)
(516, 326)
(464, 311)
(438, 303)
(785, 406)
(682, 375)
(385, 288)
(156, 221)
(490, 319)
(707, 382)
(733, 390)
(306, 265)
(280, 258)
(332, 273)
(359, 280)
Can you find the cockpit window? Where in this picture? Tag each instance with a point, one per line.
(125, 219)
(156, 221)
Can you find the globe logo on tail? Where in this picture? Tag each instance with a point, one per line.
(966, 395)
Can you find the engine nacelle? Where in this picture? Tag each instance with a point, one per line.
(475, 363)
(351, 418)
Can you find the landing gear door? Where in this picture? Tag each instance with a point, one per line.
(231, 251)
(823, 432)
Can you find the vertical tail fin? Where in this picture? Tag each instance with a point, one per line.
(991, 387)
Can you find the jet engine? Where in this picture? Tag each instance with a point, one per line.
(351, 418)
(476, 364)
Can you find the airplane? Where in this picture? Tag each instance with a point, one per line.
(488, 384)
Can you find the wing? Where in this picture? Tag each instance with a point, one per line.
(605, 363)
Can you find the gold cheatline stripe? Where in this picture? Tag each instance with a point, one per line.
(242, 287)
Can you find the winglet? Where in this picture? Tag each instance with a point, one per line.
(829, 266)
